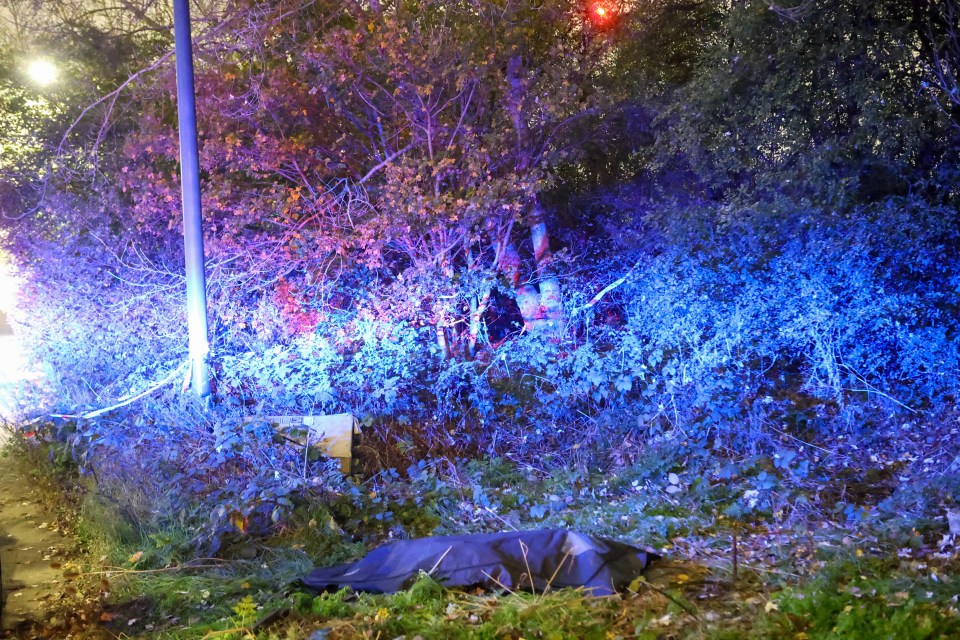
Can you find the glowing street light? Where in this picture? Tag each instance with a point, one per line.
(42, 72)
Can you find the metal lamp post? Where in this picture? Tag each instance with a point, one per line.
(190, 183)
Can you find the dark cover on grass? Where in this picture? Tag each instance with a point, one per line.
(551, 557)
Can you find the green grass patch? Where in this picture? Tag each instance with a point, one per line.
(433, 612)
(871, 598)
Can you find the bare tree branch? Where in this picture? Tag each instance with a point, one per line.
(945, 66)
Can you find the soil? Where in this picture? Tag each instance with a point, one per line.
(32, 548)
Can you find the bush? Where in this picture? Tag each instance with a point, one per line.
(731, 328)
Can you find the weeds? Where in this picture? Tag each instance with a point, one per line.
(806, 570)
(429, 610)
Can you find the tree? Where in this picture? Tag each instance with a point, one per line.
(461, 109)
(818, 100)
(24, 118)
(83, 270)
(943, 34)
(413, 138)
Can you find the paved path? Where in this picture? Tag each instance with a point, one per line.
(29, 544)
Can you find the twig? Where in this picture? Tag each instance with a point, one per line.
(121, 570)
(523, 550)
(270, 618)
(683, 605)
(93, 414)
(225, 632)
(110, 97)
(553, 576)
(439, 560)
(793, 14)
(500, 518)
(502, 586)
(736, 564)
(803, 442)
(775, 571)
(881, 393)
(872, 389)
(390, 158)
(607, 289)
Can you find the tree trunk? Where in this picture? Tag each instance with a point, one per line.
(549, 315)
(443, 342)
(527, 296)
(551, 307)
(445, 338)
(478, 306)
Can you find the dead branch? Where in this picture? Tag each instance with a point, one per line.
(946, 53)
(607, 289)
(124, 402)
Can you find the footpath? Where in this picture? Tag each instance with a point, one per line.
(31, 549)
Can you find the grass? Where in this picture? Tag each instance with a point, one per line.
(851, 598)
(799, 576)
(842, 593)
(873, 598)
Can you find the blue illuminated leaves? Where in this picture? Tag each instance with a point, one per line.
(540, 511)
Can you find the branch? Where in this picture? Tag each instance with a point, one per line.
(607, 289)
(112, 96)
(124, 402)
(946, 54)
(393, 156)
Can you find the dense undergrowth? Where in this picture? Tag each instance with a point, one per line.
(734, 353)
(782, 388)
(808, 567)
(788, 383)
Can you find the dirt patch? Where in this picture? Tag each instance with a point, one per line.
(32, 546)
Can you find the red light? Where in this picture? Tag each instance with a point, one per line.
(601, 13)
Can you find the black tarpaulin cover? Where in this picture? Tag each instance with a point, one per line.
(509, 560)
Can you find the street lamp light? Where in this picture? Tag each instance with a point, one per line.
(42, 72)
